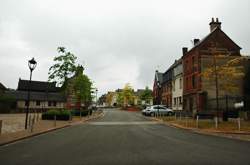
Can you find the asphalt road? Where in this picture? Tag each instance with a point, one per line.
(125, 138)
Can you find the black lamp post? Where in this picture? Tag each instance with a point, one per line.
(96, 90)
(32, 65)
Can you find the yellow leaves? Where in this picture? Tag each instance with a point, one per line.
(236, 61)
(109, 97)
(228, 74)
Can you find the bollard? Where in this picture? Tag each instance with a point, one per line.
(197, 121)
(80, 114)
(37, 117)
(29, 123)
(186, 121)
(55, 121)
(70, 118)
(32, 124)
(216, 122)
(239, 123)
(1, 125)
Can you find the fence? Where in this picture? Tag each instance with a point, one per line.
(226, 106)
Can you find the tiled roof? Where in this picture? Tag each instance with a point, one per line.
(159, 77)
(36, 96)
(38, 86)
(2, 87)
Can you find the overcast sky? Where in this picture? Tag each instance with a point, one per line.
(117, 41)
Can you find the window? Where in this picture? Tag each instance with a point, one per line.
(193, 81)
(49, 103)
(38, 103)
(26, 103)
(174, 101)
(174, 85)
(186, 65)
(180, 83)
(54, 103)
(180, 100)
(186, 82)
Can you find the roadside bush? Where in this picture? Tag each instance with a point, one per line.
(83, 112)
(60, 115)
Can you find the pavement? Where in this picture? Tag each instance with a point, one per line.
(122, 137)
(13, 132)
(232, 134)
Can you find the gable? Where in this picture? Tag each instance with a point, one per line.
(217, 38)
(220, 40)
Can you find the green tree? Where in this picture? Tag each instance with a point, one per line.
(64, 66)
(146, 95)
(82, 86)
(120, 98)
(127, 94)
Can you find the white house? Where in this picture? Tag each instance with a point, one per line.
(177, 85)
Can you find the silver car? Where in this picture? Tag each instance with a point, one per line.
(158, 109)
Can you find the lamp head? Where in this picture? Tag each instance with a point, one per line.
(32, 64)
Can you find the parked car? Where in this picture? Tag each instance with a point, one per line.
(144, 110)
(160, 109)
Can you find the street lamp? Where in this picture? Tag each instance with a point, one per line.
(32, 65)
(96, 90)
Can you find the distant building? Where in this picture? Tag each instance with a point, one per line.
(43, 95)
(167, 87)
(177, 85)
(139, 101)
(157, 88)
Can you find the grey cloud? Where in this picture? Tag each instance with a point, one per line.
(117, 41)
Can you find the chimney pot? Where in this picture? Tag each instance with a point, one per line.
(196, 41)
(184, 50)
(214, 25)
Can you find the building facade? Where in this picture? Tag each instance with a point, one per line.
(197, 89)
(167, 88)
(43, 95)
(177, 86)
(157, 88)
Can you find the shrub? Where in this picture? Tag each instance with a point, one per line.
(60, 115)
(83, 112)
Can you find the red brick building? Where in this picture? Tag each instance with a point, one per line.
(167, 88)
(196, 91)
(157, 88)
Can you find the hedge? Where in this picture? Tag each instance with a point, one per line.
(83, 112)
(60, 115)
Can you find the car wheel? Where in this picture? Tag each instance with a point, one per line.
(170, 113)
(152, 114)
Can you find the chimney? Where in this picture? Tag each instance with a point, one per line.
(214, 24)
(184, 50)
(196, 41)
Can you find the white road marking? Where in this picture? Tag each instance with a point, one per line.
(123, 123)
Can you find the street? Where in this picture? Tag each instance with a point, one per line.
(122, 137)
